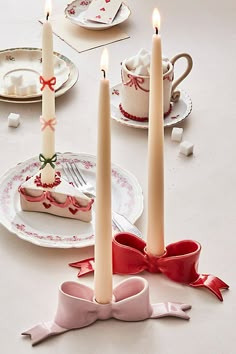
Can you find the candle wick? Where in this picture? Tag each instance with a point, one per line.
(156, 28)
(47, 16)
(104, 73)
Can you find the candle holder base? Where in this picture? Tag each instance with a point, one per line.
(77, 308)
(179, 263)
(60, 198)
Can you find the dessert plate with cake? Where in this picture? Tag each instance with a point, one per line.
(62, 232)
(76, 13)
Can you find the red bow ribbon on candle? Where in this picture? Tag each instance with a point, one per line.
(50, 83)
(48, 123)
(77, 308)
(179, 263)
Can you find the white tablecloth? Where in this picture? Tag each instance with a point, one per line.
(199, 190)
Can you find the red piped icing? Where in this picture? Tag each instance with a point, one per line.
(46, 196)
(139, 119)
(39, 183)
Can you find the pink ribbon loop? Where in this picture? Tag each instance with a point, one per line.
(48, 123)
(50, 83)
(77, 308)
(179, 263)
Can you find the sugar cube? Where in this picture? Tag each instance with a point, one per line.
(32, 87)
(141, 70)
(177, 134)
(16, 79)
(165, 66)
(145, 59)
(130, 63)
(13, 120)
(186, 148)
(142, 52)
(9, 89)
(22, 90)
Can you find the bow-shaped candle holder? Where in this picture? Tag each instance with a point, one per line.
(77, 308)
(179, 263)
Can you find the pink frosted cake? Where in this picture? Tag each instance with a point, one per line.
(135, 74)
(61, 199)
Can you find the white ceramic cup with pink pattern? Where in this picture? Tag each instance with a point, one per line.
(135, 89)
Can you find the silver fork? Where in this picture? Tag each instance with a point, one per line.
(74, 175)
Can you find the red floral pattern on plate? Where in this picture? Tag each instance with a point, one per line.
(55, 238)
(85, 3)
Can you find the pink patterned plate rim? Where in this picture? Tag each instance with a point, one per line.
(180, 110)
(52, 231)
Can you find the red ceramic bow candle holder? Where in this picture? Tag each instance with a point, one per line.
(179, 263)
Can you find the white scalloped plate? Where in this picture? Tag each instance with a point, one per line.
(68, 84)
(76, 9)
(180, 110)
(27, 62)
(52, 231)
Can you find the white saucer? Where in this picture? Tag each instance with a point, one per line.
(180, 110)
(75, 13)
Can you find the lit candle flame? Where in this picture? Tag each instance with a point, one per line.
(104, 61)
(48, 8)
(156, 20)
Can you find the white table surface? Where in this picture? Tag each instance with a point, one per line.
(200, 190)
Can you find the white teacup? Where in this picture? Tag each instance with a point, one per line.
(135, 89)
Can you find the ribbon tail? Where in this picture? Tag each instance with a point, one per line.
(170, 309)
(212, 283)
(86, 266)
(42, 331)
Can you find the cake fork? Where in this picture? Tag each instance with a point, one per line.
(74, 175)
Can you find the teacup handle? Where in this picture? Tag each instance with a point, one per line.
(175, 95)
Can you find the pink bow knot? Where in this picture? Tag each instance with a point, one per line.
(48, 123)
(77, 308)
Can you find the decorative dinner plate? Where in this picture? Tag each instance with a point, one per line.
(53, 231)
(180, 110)
(72, 77)
(25, 65)
(75, 12)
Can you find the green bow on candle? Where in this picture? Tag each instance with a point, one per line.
(45, 160)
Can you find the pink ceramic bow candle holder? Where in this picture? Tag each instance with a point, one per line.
(179, 263)
(77, 308)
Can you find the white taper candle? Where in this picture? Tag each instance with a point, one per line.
(155, 218)
(103, 223)
(48, 97)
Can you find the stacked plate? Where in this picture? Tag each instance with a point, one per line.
(20, 71)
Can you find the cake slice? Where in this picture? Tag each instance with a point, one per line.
(61, 198)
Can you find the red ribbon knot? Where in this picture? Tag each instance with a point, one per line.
(50, 83)
(136, 82)
(152, 263)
